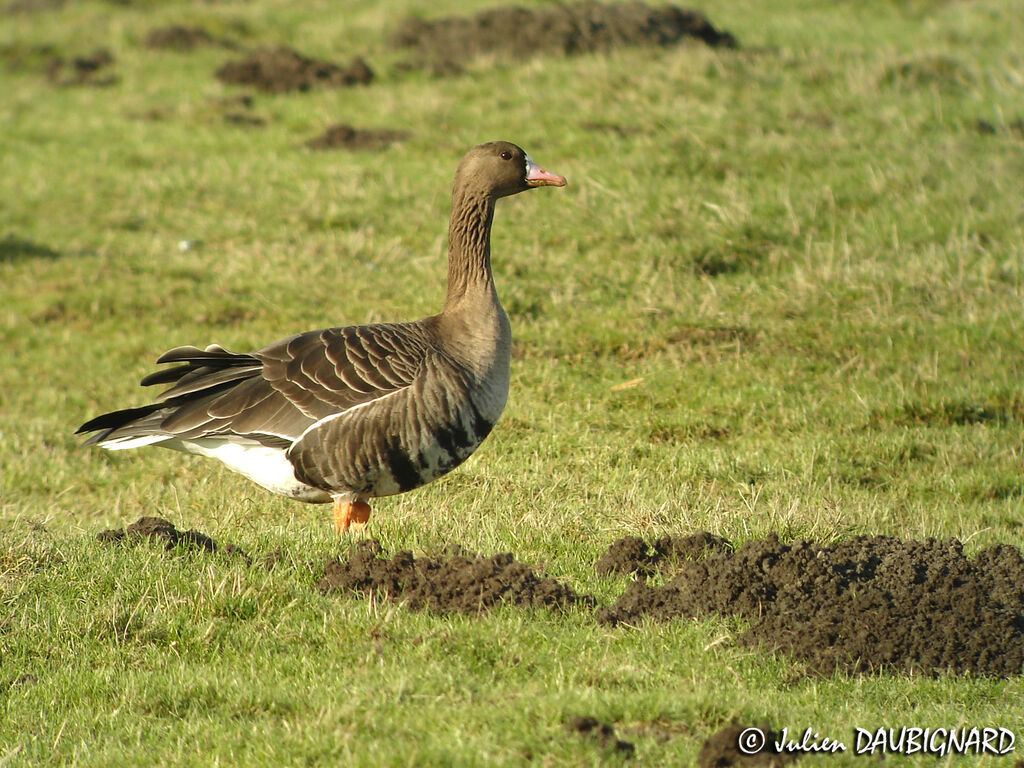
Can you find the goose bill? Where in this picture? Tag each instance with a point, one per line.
(538, 177)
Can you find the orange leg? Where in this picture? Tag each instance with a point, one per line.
(350, 513)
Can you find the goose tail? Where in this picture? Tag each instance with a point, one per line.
(128, 428)
(201, 373)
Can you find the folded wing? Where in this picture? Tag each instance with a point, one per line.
(272, 395)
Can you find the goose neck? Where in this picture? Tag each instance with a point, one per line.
(469, 246)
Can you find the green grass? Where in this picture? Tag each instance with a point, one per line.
(806, 253)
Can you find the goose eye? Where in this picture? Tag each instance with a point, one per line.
(506, 155)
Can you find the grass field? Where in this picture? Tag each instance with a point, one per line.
(782, 292)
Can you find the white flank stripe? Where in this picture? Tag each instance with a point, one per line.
(123, 443)
(333, 416)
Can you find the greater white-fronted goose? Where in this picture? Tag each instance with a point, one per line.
(348, 414)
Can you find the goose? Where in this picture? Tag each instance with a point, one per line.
(353, 413)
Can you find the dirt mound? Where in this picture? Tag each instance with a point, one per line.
(281, 69)
(602, 733)
(91, 69)
(722, 748)
(632, 555)
(344, 136)
(150, 528)
(457, 582)
(864, 605)
(158, 528)
(1014, 127)
(178, 37)
(443, 44)
(869, 604)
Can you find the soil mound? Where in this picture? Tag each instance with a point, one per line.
(457, 582)
(178, 37)
(158, 528)
(443, 44)
(873, 603)
(602, 733)
(92, 69)
(281, 69)
(344, 136)
(1014, 128)
(722, 748)
(150, 528)
(633, 555)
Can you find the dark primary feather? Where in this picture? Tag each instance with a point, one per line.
(114, 420)
(190, 354)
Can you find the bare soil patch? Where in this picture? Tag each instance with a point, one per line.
(870, 604)
(457, 582)
(1014, 127)
(180, 37)
(90, 69)
(160, 530)
(344, 136)
(631, 555)
(602, 734)
(277, 70)
(444, 44)
(244, 119)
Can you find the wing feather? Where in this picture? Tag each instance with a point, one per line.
(273, 394)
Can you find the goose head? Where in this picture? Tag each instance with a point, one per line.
(499, 169)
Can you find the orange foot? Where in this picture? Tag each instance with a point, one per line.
(350, 513)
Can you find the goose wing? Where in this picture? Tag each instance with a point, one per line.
(271, 395)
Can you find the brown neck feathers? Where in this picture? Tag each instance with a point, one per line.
(469, 244)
